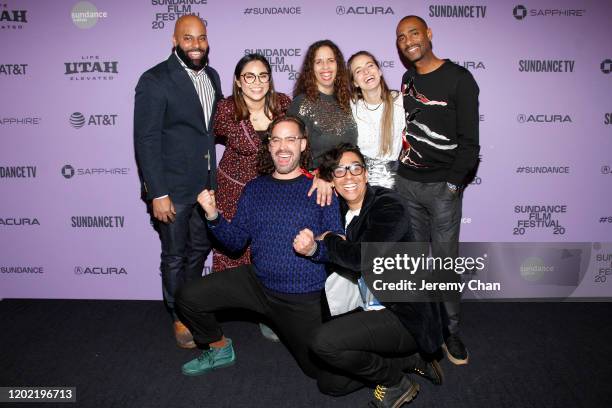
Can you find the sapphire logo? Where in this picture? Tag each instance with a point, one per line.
(26, 121)
(77, 120)
(606, 66)
(519, 12)
(68, 171)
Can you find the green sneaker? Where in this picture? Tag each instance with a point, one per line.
(211, 359)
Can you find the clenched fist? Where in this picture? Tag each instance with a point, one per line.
(304, 243)
(207, 200)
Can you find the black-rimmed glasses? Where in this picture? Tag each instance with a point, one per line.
(356, 169)
(250, 77)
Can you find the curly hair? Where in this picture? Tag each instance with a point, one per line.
(265, 164)
(332, 157)
(307, 82)
(272, 106)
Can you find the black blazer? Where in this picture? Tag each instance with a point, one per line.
(173, 145)
(384, 218)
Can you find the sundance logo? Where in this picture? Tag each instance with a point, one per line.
(546, 65)
(364, 10)
(100, 270)
(77, 120)
(21, 269)
(543, 118)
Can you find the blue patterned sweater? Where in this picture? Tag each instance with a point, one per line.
(270, 214)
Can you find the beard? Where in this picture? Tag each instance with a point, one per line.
(191, 64)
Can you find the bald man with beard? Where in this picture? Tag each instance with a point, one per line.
(175, 149)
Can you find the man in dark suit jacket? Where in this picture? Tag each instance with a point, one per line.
(175, 149)
(358, 345)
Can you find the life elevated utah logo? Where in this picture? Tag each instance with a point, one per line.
(91, 68)
(77, 120)
(520, 12)
(12, 19)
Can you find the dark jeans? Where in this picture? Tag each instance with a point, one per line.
(362, 347)
(185, 246)
(294, 318)
(435, 215)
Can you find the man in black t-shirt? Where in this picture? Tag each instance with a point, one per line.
(440, 152)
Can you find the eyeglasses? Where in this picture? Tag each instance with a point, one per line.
(275, 141)
(356, 169)
(249, 77)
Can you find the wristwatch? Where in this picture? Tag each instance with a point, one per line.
(453, 187)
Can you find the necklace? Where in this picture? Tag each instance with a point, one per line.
(368, 108)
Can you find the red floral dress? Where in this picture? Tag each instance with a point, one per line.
(237, 167)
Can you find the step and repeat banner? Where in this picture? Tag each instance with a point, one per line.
(68, 71)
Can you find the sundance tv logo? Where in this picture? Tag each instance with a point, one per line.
(77, 120)
(457, 11)
(17, 171)
(364, 10)
(91, 68)
(520, 12)
(12, 19)
(100, 270)
(68, 171)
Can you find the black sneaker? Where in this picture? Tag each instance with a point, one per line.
(429, 370)
(396, 396)
(455, 350)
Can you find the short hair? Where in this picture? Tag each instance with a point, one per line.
(415, 17)
(265, 164)
(332, 157)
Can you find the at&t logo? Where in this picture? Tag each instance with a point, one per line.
(77, 120)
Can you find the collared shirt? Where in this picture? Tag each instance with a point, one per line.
(204, 88)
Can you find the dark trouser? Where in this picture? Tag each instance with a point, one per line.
(185, 246)
(435, 215)
(294, 317)
(362, 347)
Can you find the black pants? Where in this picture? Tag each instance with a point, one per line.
(362, 348)
(184, 248)
(435, 215)
(294, 317)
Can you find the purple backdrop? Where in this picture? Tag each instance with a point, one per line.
(68, 71)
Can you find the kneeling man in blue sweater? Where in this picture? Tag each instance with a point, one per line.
(281, 285)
